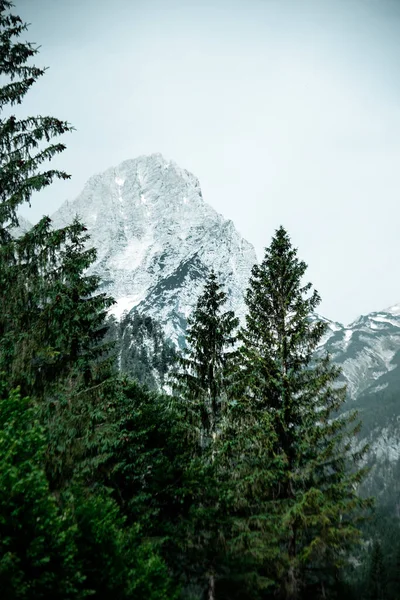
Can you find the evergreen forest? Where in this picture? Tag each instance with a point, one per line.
(243, 482)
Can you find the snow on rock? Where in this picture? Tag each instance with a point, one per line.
(393, 310)
(365, 349)
(157, 240)
(124, 305)
(23, 227)
(386, 445)
(347, 337)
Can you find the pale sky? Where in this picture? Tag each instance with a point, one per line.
(288, 112)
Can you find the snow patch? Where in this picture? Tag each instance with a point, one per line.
(119, 181)
(347, 335)
(133, 254)
(124, 304)
(383, 319)
(393, 310)
(387, 446)
(380, 387)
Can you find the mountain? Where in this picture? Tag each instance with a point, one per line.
(143, 350)
(23, 227)
(157, 240)
(367, 350)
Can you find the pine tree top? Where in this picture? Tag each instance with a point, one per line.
(22, 141)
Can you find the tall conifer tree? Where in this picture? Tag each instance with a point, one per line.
(51, 320)
(377, 576)
(311, 496)
(205, 366)
(21, 153)
(202, 387)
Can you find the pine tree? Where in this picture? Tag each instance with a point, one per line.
(51, 319)
(202, 384)
(205, 367)
(51, 327)
(21, 140)
(307, 504)
(377, 574)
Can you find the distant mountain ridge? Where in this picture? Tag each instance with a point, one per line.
(366, 349)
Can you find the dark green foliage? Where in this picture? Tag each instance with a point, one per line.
(137, 456)
(51, 327)
(202, 381)
(108, 552)
(378, 562)
(142, 451)
(202, 388)
(37, 538)
(151, 576)
(74, 541)
(312, 502)
(377, 575)
(22, 149)
(51, 319)
(72, 549)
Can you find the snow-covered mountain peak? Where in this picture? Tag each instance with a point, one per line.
(157, 239)
(378, 319)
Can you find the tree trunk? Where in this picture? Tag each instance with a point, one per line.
(291, 591)
(292, 583)
(211, 587)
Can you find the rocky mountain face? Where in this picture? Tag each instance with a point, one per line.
(143, 351)
(368, 350)
(157, 240)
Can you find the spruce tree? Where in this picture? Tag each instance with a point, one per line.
(307, 504)
(205, 366)
(377, 574)
(201, 385)
(22, 141)
(51, 319)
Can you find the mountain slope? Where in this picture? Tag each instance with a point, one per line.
(157, 239)
(366, 351)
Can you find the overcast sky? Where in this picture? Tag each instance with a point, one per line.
(287, 111)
